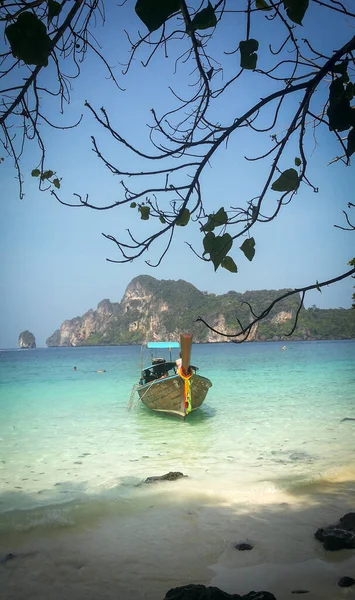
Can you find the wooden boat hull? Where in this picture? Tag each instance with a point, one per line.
(166, 395)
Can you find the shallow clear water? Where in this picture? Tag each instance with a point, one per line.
(271, 419)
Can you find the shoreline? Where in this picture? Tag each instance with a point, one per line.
(177, 536)
(267, 341)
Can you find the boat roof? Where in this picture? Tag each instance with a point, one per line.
(163, 345)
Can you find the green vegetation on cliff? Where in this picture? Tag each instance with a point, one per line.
(165, 308)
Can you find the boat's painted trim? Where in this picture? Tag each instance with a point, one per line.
(157, 381)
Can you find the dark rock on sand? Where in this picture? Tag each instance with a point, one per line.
(7, 557)
(338, 536)
(300, 592)
(243, 546)
(201, 592)
(334, 538)
(11, 556)
(348, 521)
(346, 581)
(171, 476)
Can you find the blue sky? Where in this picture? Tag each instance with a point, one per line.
(53, 263)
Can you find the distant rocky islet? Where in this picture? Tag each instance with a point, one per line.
(27, 340)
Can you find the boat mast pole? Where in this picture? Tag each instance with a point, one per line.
(185, 345)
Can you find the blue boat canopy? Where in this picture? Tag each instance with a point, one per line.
(163, 345)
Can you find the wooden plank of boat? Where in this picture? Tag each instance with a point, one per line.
(166, 394)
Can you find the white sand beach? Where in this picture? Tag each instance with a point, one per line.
(174, 534)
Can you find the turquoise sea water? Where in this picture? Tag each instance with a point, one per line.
(272, 418)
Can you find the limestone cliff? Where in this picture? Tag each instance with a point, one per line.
(152, 309)
(26, 339)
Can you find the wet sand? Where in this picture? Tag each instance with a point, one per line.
(172, 534)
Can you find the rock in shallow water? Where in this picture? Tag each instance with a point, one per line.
(346, 581)
(201, 592)
(243, 546)
(301, 456)
(338, 536)
(171, 476)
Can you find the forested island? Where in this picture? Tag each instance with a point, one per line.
(153, 309)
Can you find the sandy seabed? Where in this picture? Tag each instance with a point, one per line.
(173, 534)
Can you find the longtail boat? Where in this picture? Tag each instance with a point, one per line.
(173, 386)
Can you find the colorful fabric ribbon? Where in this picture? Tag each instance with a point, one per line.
(187, 389)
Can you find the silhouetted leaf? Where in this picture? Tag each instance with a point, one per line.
(154, 13)
(207, 242)
(54, 9)
(336, 90)
(350, 149)
(349, 91)
(47, 175)
(287, 182)
(298, 161)
(204, 19)
(35, 173)
(162, 220)
(340, 115)
(296, 9)
(339, 111)
(207, 227)
(262, 5)
(248, 247)
(248, 56)
(133, 205)
(229, 264)
(216, 220)
(145, 212)
(29, 40)
(217, 247)
(220, 218)
(341, 69)
(183, 218)
(56, 183)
